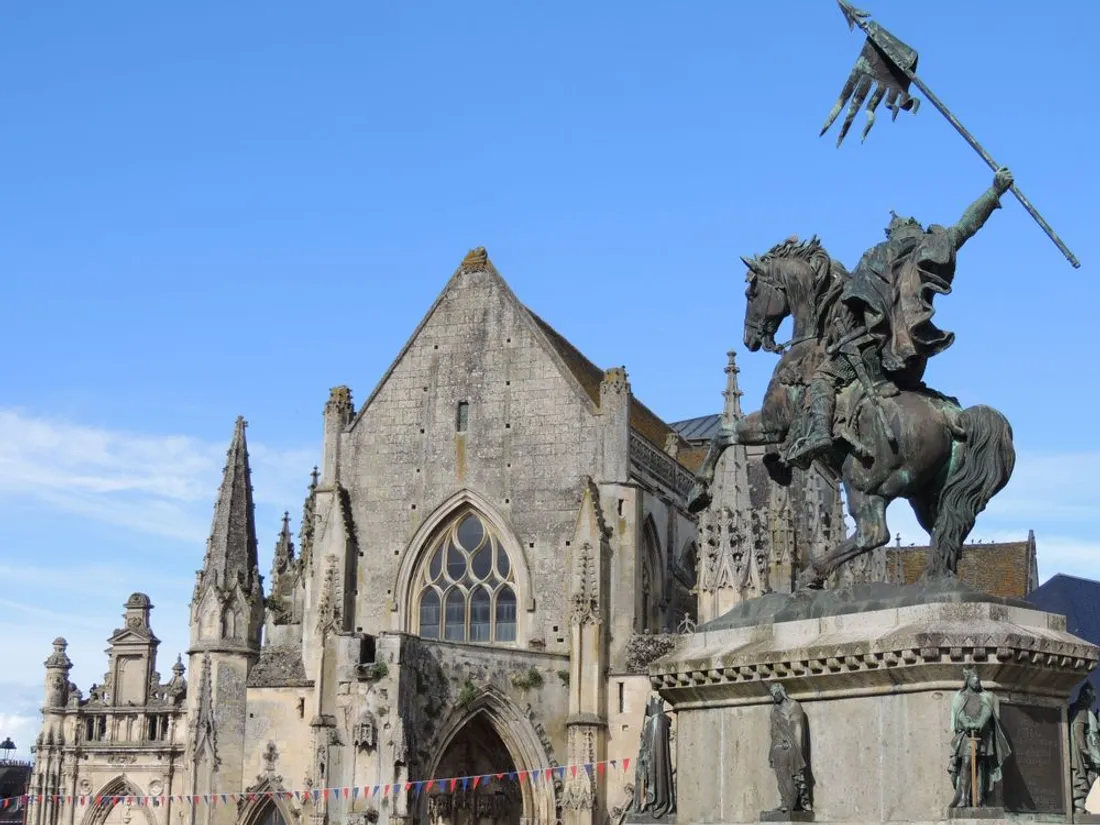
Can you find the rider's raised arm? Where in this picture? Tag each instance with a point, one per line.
(975, 217)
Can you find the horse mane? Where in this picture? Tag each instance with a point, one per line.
(829, 276)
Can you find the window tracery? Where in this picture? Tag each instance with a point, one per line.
(467, 586)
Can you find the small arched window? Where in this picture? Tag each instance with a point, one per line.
(467, 587)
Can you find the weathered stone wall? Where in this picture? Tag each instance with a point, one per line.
(279, 715)
(529, 443)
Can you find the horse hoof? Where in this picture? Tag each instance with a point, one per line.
(698, 499)
(809, 582)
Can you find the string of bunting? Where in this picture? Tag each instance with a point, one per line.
(450, 783)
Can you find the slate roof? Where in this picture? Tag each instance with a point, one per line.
(702, 428)
(1006, 569)
(642, 420)
(1079, 601)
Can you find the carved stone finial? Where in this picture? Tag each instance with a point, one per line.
(59, 659)
(339, 402)
(672, 444)
(614, 384)
(270, 757)
(476, 260)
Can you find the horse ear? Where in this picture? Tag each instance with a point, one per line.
(753, 264)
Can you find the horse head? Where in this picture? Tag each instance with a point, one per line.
(766, 305)
(792, 278)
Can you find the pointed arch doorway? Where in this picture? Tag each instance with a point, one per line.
(492, 741)
(478, 751)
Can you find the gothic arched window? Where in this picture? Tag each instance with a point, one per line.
(468, 591)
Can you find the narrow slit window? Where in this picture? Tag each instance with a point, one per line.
(463, 417)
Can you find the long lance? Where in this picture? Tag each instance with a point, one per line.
(886, 44)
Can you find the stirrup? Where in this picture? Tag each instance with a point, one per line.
(806, 449)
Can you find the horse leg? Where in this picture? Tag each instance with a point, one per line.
(699, 497)
(757, 430)
(926, 508)
(869, 513)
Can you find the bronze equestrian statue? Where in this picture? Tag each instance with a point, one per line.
(849, 393)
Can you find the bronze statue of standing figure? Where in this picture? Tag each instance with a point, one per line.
(979, 747)
(1084, 745)
(789, 756)
(654, 784)
(848, 391)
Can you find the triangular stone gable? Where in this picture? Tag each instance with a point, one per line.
(478, 271)
(127, 636)
(578, 371)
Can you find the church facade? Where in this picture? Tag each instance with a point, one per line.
(492, 549)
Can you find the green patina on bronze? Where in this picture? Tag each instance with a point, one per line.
(848, 391)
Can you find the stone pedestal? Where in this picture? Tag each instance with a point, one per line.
(876, 687)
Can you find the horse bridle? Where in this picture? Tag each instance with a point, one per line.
(757, 327)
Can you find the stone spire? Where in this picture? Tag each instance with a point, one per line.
(231, 553)
(284, 549)
(732, 410)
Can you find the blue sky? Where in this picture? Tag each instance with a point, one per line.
(219, 209)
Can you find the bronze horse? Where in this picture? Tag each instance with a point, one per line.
(948, 462)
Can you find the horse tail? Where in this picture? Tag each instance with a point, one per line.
(982, 466)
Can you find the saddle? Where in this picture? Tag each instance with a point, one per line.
(852, 403)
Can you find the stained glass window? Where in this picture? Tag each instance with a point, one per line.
(467, 587)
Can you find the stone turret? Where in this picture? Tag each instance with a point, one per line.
(57, 675)
(615, 426)
(339, 411)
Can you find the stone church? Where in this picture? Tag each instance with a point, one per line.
(493, 547)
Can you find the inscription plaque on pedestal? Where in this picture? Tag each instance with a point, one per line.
(1034, 776)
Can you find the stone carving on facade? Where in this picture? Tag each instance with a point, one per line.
(1084, 745)
(733, 557)
(789, 751)
(204, 729)
(329, 610)
(979, 746)
(654, 782)
(440, 806)
(658, 465)
(586, 585)
(579, 792)
(644, 648)
(366, 731)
